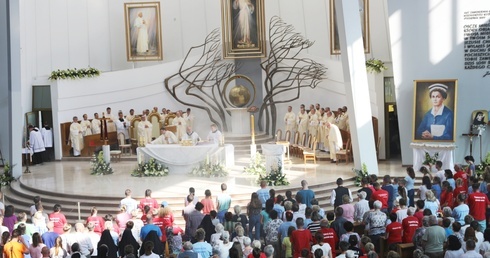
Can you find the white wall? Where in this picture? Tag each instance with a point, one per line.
(60, 34)
(430, 46)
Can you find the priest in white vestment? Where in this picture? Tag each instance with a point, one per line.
(313, 123)
(76, 137)
(302, 121)
(36, 144)
(109, 114)
(327, 118)
(334, 141)
(86, 125)
(96, 124)
(343, 119)
(144, 130)
(122, 126)
(215, 136)
(189, 118)
(130, 116)
(290, 120)
(191, 135)
(47, 134)
(181, 123)
(166, 137)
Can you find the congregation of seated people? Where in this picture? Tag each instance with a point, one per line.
(446, 216)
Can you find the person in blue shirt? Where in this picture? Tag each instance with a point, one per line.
(437, 123)
(307, 194)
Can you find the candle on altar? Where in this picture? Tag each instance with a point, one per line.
(252, 121)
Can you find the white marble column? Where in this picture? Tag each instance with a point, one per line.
(356, 84)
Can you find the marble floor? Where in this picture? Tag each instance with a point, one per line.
(73, 177)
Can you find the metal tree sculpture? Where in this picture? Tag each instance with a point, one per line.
(202, 79)
(285, 71)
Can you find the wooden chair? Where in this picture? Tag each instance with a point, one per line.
(123, 146)
(169, 118)
(345, 153)
(287, 136)
(116, 155)
(294, 146)
(154, 119)
(301, 145)
(133, 132)
(278, 135)
(310, 154)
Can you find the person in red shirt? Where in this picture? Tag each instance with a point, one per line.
(58, 219)
(152, 203)
(409, 225)
(419, 214)
(478, 203)
(300, 238)
(447, 199)
(460, 174)
(98, 221)
(394, 232)
(380, 195)
(329, 235)
(460, 189)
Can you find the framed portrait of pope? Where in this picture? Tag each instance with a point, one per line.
(434, 110)
(143, 31)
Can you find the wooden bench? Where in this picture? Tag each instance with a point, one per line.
(405, 249)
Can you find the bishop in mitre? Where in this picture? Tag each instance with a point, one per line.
(96, 124)
(290, 120)
(334, 141)
(144, 130)
(181, 123)
(86, 125)
(166, 137)
(76, 137)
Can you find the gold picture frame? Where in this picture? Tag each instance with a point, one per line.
(429, 97)
(143, 31)
(334, 34)
(243, 28)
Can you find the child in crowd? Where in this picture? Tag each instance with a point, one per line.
(286, 243)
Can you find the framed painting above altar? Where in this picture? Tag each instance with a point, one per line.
(243, 28)
(143, 31)
(434, 110)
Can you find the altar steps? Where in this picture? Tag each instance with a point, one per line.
(242, 143)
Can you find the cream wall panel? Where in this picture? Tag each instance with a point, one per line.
(292, 12)
(98, 35)
(194, 26)
(379, 30)
(60, 57)
(317, 28)
(213, 15)
(43, 37)
(117, 36)
(171, 31)
(78, 33)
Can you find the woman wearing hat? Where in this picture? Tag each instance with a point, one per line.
(437, 123)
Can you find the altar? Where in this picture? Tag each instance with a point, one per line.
(446, 154)
(182, 159)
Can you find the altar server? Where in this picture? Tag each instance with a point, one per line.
(181, 123)
(215, 136)
(122, 126)
(334, 141)
(47, 134)
(166, 137)
(96, 124)
(302, 121)
(76, 137)
(191, 135)
(37, 144)
(86, 125)
(144, 130)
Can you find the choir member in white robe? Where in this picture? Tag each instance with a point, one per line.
(76, 137)
(189, 118)
(122, 126)
(302, 121)
(313, 123)
(290, 120)
(47, 134)
(86, 125)
(37, 144)
(109, 114)
(334, 141)
(144, 130)
(215, 136)
(96, 124)
(181, 123)
(166, 137)
(130, 116)
(328, 118)
(191, 135)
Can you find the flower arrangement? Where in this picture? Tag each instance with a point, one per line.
(207, 169)
(375, 65)
(6, 178)
(430, 160)
(256, 166)
(275, 177)
(360, 174)
(99, 167)
(480, 168)
(74, 73)
(150, 168)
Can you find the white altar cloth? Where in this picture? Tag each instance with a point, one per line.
(182, 159)
(274, 155)
(445, 154)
